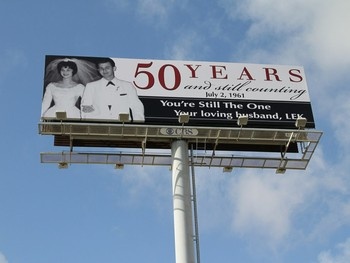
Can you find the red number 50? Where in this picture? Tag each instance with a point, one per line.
(161, 76)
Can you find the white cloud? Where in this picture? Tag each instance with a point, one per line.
(148, 183)
(311, 31)
(339, 113)
(214, 208)
(330, 205)
(260, 205)
(336, 216)
(152, 10)
(3, 258)
(328, 38)
(313, 34)
(271, 16)
(342, 254)
(186, 46)
(264, 203)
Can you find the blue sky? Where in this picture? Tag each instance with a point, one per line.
(98, 214)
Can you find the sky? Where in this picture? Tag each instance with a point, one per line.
(94, 213)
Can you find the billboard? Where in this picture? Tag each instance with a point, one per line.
(156, 92)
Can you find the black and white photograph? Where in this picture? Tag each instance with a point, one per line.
(88, 89)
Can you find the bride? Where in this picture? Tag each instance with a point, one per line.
(67, 79)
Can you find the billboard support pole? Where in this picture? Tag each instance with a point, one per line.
(181, 186)
(195, 213)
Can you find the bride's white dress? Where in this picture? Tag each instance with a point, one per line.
(64, 100)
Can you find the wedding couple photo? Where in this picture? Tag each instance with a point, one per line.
(88, 89)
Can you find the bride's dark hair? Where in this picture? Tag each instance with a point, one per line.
(83, 71)
(69, 64)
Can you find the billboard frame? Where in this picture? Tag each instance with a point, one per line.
(207, 141)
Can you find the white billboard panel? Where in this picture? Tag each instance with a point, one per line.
(158, 91)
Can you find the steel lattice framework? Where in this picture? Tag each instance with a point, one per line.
(236, 147)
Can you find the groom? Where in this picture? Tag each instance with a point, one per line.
(107, 97)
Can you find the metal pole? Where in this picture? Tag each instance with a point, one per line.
(195, 213)
(183, 226)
